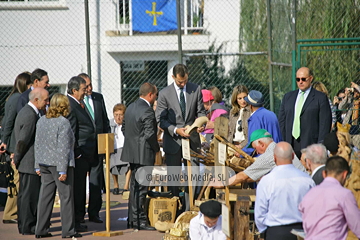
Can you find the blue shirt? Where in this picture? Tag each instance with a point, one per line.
(263, 119)
(278, 196)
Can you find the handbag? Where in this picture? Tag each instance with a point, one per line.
(7, 177)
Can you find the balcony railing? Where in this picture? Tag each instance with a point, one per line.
(192, 12)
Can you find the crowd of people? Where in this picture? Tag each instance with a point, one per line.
(53, 146)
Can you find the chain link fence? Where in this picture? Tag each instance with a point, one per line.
(224, 44)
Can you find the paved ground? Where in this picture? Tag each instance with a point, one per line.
(10, 232)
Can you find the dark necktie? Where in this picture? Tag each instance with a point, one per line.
(182, 103)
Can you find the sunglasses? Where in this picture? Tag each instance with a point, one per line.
(302, 79)
(240, 126)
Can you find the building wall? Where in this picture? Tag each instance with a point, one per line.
(53, 38)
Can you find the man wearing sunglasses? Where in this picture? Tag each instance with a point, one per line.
(305, 115)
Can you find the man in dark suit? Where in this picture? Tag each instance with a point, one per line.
(316, 156)
(24, 160)
(39, 78)
(85, 146)
(140, 147)
(305, 115)
(95, 106)
(178, 105)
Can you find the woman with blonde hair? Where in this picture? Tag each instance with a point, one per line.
(321, 88)
(54, 161)
(238, 117)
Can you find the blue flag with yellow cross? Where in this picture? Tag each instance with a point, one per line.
(154, 15)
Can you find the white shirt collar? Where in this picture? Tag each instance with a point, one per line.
(116, 123)
(202, 222)
(74, 98)
(316, 169)
(33, 106)
(146, 101)
(178, 89)
(306, 91)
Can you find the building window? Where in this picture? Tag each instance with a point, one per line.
(135, 73)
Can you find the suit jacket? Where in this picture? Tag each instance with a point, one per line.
(25, 128)
(139, 129)
(23, 100)
(56, 134)
(84, 130)
(318, 177)
(315, 117)
(100, 114)
(8, 135)
(168, 113)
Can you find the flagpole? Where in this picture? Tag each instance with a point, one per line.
(87, 36)
(178, 16)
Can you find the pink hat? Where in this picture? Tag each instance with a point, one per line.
(207, 96)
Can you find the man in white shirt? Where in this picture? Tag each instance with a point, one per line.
(207, 224)
(279, 194)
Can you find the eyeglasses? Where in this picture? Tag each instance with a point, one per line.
(302, 79)
(240, 126)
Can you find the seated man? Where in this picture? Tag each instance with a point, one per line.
(278, 196)
(263, 143)
(207, 224)
(329, 209)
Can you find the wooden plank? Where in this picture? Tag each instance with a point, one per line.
(108, 234)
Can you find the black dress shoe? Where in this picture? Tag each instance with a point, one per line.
(116, 191)
(76, 235)
(28, 233)
(44, 236)
(95, 220)
(80, 228)
(143, 226)
(11, 221)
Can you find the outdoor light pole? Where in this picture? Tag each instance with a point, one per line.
(178, 16)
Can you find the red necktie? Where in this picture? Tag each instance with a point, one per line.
(82, 105)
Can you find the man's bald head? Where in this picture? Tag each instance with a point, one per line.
(283, 153)
(39, 97)
(304, 78)
(304, 70)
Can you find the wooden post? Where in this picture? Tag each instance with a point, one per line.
(106, 146)
(241, 219)
(191, 195)
(221, 127)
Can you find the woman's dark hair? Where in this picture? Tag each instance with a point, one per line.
(21, 83)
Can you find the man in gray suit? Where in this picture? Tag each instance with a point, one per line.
(316, 156)
(179, 104)
(140, 147)
(25, 127)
